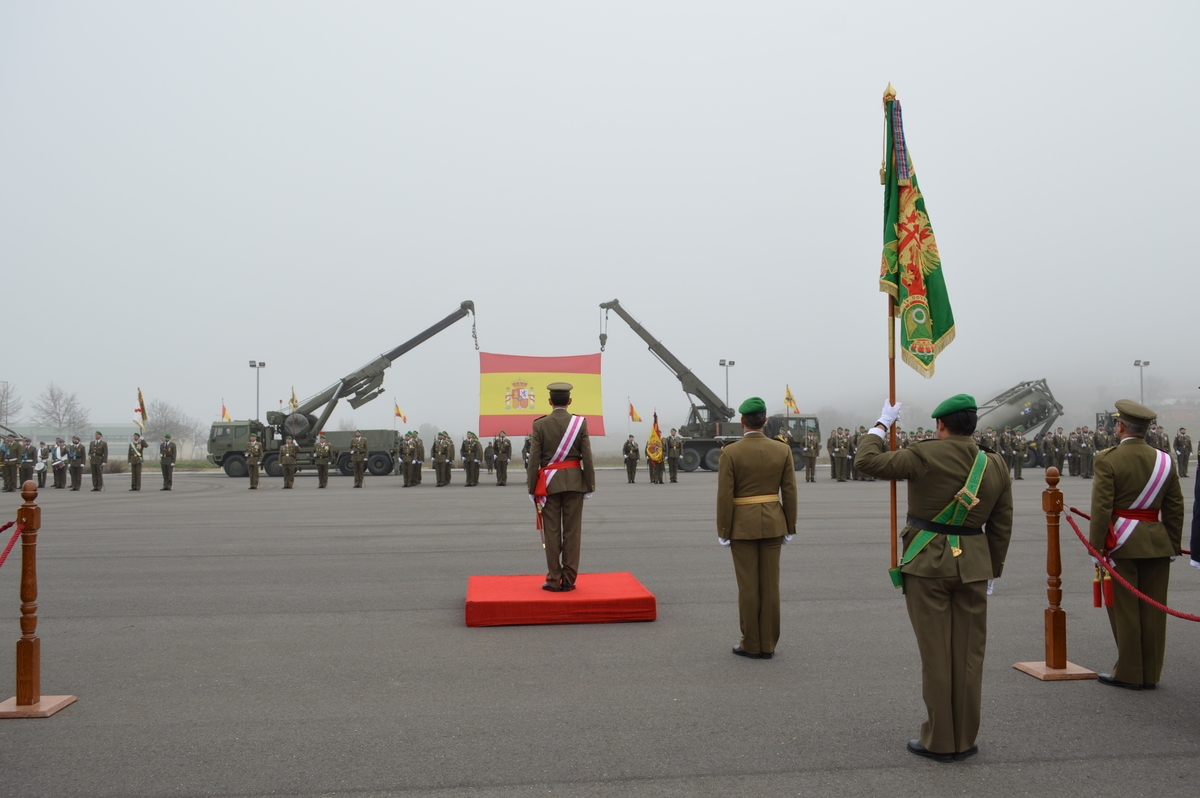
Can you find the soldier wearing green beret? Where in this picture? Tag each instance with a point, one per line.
(97, 459)
(756, 515)
(1020, 448)
(168, 453)
(502, 449)
(472, 457)
(418, 457)
(443, 458)
(12, 460)
(953, 549)
(1137, 522)
(632, 455)
(322, 457)
(358, 457)
(673, 452)
(287, 459)
(254, 455)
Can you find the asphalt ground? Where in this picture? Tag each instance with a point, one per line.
(224, 642)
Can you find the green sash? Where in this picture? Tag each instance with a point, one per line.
(954, 514)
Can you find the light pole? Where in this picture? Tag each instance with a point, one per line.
(258, 367)
(1141, 365)
(726, 364)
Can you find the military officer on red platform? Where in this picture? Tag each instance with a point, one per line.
(560, 477)
(1137, 521)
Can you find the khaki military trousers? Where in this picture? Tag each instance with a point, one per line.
(1182, 462)
(10, 476)
(1139, 629)
(97, 476)
(949, 619)
(501, 472)
(76, 476)
(135, 476)
(562, 526)
(631, 469)
(756, 566)
(322, 474)
(60, 477)
(673, 468)
(360, 470)
(253, 470)
(1085, 464)
(810, 468)
(406, 471)
(168, 470)
(289, 475)
(26, 474)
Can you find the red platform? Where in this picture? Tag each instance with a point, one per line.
(597, 598)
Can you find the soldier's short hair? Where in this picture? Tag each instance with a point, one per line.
(961, 422)
(755, 420)
(1135, 428)
(559, 398)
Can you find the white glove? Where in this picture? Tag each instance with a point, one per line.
(626, 457)
(588, 496)
(1195, 565)
(991, 583)
(889, 415)
(1172, 559)
(478, 461)
(724, 542)
(787, 539)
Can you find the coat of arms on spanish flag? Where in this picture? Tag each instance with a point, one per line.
(512, 391)
(912, 268)
(654, 449)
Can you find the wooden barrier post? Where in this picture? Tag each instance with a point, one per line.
(29, 701)
(1055, 667)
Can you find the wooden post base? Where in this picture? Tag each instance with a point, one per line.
(1039, 670)
(42, 709)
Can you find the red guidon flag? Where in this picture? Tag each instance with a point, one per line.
(512, 391)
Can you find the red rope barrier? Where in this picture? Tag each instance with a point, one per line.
(11, 543)
(1118, 577)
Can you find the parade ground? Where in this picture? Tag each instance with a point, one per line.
(226, 642)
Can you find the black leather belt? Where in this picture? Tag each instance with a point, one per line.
(943, 529)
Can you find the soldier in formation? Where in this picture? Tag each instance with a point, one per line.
(59, 463)
(168, 454)
(632, 455)
(525, 452)
(1020, 448)
(322, 457)
(287, 458)
(418, 457)
(443, 458)
(673, 451)
(1183, 451)
(137, 454)
(254, 455)
(358, 457)
(839, 453)
(45, 453)
(76, 457)
(97, 459)
(810, 449)
(489, 456)
(29, 460)
(472, 457)
(502, 452)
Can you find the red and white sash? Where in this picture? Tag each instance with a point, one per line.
(1122, 528)
(547, 472)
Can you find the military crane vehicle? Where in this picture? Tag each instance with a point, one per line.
(227, 439)
(1027, 405)
(711, 423)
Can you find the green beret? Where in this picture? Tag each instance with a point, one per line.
(98, 432)
(1020, 429)
(962, 401)
(502, 432)
(167, 436)
(752, 405)
(1127, 408)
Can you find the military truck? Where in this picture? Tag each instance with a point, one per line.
(1027, 405)
(710, 424)
(227, 439)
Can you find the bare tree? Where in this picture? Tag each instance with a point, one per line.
(164, 418)
(10, 403)
(61, 411)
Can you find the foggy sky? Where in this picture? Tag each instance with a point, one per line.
(187, 186)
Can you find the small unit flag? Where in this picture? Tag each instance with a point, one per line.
(400, 413)
(789, 400)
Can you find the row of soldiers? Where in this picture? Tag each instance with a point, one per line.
(661, 454)
(1077, 450)
(23, 461)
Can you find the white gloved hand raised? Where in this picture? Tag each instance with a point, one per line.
(889, 415)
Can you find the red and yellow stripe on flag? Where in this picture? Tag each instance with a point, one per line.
(512, 391)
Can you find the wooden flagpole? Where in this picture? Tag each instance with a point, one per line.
(892, 399)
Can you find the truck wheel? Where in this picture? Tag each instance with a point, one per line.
(271, 466)
(345, 466)
(712, 458)
(379, 464)
(690, 460)
(1031, 458)
(235, 466)
(797, 459)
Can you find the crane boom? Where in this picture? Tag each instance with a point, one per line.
(717, 409)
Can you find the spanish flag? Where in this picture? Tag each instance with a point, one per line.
(224, 413)
(399, 413)
(512, 391)
(654, 449)
(789, 400)
(633, 414)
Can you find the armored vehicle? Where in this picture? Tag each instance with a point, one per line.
(1027, 405)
